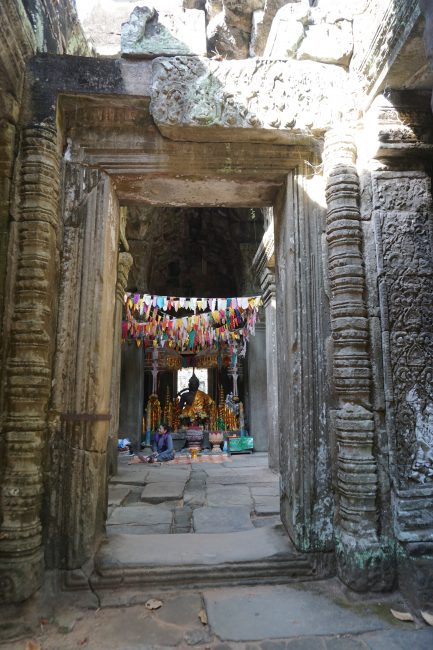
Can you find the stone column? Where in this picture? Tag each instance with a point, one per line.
(257, 412)
(363, 562)
(264, 266)
(132, 393)
(29, 364)
(123, 267)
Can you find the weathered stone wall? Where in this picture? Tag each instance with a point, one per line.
(26, 27)
(80, 415)
(28, 252)
(302, 318)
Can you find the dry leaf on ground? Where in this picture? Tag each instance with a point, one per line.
(402, 616)
(153, 603)
(203, 616)
(33, 645)
(428, 618)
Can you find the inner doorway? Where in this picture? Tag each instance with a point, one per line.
(195, 252)
(204, 252)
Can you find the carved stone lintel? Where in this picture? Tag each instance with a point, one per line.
(190, 95)
(29, 365)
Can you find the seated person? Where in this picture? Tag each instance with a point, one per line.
(162, 447)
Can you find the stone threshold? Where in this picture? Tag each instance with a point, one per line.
(259, 556)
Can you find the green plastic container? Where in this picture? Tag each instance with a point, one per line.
(244, 444)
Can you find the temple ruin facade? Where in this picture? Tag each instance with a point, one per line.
(303, 132)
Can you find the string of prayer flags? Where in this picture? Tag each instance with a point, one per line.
(214, 323)
(144, 303)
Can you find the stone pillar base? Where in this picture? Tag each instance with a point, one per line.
(370, 567)
(20, 578)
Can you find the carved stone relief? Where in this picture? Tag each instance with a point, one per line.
(404, 231)
(299, 97)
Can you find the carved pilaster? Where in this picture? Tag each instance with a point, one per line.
(29, 365)
(264, 264)
(264, 269)
(361, 561)
(123, 267)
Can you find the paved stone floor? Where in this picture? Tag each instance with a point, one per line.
(238, 494)
(234, 500)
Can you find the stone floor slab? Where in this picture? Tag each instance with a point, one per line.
(244, 477)
(117, 494)
(280, 612)
(400, 639)
(131, 475)
(167, 474)
(272, 520)
(159, 492)
(222, 520)
(267, 505)
(141, 516)
(272, 490)
(228, 495)
(130, 529)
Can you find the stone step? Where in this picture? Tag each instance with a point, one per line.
(204, 559)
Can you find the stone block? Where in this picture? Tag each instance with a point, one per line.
(279, 613)
(117, 494)
(257, 39)
(131, 529)
(284, 43)
(164, 474)
(271, 521)
(267, 505)
(221, 520)
(140, 516)
(150, 33)
(287, 31)
(225, 39)
(222, 495)
(159, 492)
(328, 43)
(265, 490)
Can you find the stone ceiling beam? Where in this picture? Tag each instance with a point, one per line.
(196, 192)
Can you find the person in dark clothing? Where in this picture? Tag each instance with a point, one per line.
(162, 447)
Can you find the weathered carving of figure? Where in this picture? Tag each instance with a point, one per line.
(422, 465)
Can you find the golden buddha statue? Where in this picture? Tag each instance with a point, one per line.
(194, 403)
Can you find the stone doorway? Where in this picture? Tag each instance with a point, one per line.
(194, 252)
(113, 154)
